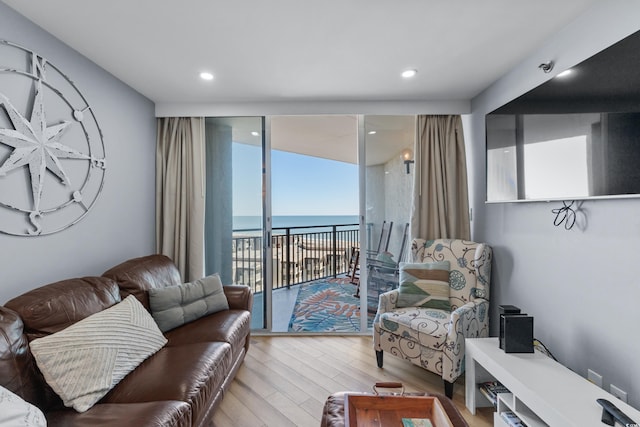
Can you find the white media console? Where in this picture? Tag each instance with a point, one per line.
(542, 391)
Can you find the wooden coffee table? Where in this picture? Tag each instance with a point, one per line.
(373, 411)
(388, 410)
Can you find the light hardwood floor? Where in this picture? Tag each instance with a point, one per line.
(285, 380)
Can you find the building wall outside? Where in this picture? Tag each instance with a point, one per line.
(398, 186)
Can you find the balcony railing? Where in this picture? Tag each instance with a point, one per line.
(299, 254)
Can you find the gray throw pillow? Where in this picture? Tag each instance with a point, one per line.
(179, 304)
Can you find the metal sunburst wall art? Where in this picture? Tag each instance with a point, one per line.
(52, 157)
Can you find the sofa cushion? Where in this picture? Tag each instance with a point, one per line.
(176, 305)
(83, 362)
(143, 414)
(56, 306)
(425, 326)
(50, 309)
(15, 412)
(231, 326)
(424, 285)
(192, 373)
(136, 276)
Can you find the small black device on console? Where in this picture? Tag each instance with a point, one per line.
(516, 330)
(505, 310)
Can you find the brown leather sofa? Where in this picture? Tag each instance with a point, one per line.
(180, 385)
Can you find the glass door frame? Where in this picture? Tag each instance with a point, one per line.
(267, 224)
(362, 193)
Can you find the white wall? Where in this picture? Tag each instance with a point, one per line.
(582, 286)
(121, 224)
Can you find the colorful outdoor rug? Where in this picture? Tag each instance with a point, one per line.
(326, 306)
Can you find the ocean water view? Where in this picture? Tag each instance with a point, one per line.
(284, 221)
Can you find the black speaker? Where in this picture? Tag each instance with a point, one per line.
(504, 310)
(518, 333)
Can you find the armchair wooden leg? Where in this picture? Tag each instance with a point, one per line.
(379, 358)
(448, 389)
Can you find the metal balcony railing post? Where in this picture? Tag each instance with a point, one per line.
(288, 258)
(335, 250)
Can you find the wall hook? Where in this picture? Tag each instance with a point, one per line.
(546, 66)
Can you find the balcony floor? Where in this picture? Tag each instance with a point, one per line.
(283, 302)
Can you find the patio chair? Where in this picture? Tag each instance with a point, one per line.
(354, 266)
(430, 331)
(383, 271)
(383, 242)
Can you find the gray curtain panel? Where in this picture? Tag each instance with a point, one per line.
(180, 193)
(440, 196)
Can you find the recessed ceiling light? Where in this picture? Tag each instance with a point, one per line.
(206, 76)
(254, 133)
(372, 132)
(409, 73)
(565, 73)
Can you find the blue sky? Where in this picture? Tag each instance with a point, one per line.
(301, 185)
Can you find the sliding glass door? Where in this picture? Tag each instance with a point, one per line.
(314, 202)
(297, 208)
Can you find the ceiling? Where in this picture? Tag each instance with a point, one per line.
(607, 81)
(292, 50)
(307, 51)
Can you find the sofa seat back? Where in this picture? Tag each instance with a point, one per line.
(40, 312)
(470, 262)
(56, 306)
(136, 276)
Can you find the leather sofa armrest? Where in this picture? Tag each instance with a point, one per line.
(239, 297)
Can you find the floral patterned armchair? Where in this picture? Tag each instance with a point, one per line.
(433, 338)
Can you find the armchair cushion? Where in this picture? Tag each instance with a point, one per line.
(470, 272)
(425, 326)
(424, 285)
